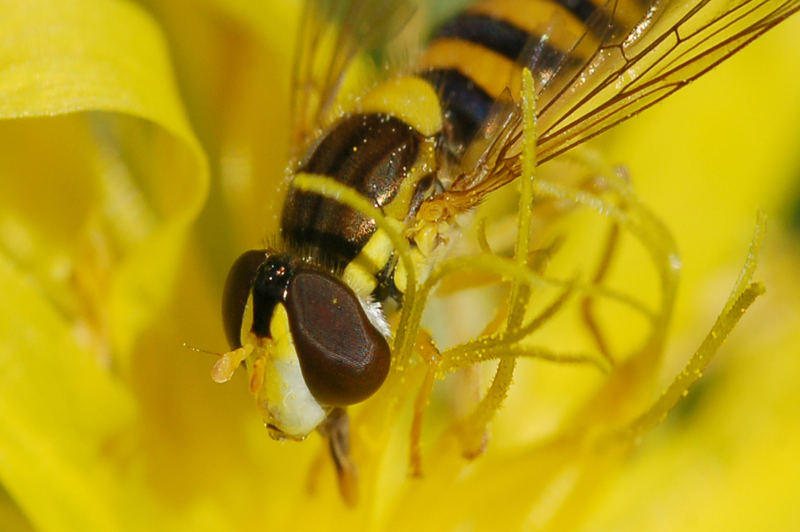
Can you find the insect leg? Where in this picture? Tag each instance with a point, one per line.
(336, 428)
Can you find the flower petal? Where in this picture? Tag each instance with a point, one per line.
(102, 177)
(58, 410)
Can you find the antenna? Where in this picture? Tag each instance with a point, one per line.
(198, 350)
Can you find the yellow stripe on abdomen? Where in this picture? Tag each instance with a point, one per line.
(489, 70)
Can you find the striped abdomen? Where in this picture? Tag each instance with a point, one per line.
(391, 150)
(474, 56)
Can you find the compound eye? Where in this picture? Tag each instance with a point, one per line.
(344, 358)
(237, 290)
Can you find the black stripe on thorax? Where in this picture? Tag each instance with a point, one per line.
(368, 152)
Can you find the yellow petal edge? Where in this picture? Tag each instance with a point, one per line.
(115, 167)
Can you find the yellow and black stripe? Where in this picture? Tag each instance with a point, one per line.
(389, 150)
(474, 56)
(297, 317)
(368, 152)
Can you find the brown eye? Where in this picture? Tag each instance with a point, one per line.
(343, 357)
(237, 290)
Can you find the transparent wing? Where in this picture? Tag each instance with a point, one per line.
(669, 48)
(331, 35)
(613, 70)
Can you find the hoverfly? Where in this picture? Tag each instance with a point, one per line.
(424, 146)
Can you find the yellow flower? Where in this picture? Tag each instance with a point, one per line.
(142, 148)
